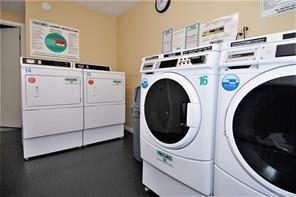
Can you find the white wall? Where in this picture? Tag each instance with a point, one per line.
(10, 78)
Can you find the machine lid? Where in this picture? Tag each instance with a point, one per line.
(172, 111)
(261, 128)
(42, 62)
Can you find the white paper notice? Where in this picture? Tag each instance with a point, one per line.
(192, 36)
(54, 41)
(274, 7)
(179, 39)
(167, 40)
(220, 30)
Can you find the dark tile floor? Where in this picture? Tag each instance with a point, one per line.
(104, 169)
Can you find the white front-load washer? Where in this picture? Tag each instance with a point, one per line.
(177, 121)
(256, 123)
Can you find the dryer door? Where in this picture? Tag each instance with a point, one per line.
(172, 110)
(261, 129)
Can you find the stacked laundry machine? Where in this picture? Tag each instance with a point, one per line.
(67, 105)
(237, 99)
(104, 103)
(177, 124)
(256, 127)
(52, 106)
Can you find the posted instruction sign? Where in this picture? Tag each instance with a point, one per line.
(275, 7)
(219, 30)
(53, 41)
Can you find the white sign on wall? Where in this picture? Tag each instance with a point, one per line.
(167, 40)
(53, 41)
(275, 7)
(219, 30)
(179, 39)
(192, 36)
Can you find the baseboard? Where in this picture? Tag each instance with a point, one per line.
(8, 128)
(129, 129)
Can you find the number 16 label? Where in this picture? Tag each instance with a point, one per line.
(203, 80)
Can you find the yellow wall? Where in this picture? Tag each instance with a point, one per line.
(122, 41)
(12, 16)
(97, 32)
(139, 30)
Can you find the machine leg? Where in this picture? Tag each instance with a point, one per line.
(146, 189)
(26, 158)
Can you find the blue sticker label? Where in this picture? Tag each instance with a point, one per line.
(144, 83)
(230, 82)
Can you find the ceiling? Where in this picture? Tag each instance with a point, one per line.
(111, 7)
(17, 6)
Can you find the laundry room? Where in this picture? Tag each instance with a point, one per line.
(147, 98)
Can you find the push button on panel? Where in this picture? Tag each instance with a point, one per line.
(90, 82)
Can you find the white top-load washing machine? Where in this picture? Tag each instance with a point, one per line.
(256, 123)
(177, 121)
(104, 103)
(52, 107)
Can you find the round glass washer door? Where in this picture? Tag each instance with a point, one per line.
(263, 127)
(172, 110)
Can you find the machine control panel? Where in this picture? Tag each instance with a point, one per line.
(252, 54)
(147, 66)
(285, 50)
(197, 50)
(200, 59)
(249, 54)
(248, 42)
(289, 35)
(278, 51)
(155, 57)
(172, 54)
(182, 61)
(42, 62)
(92, 67)
(185, 58)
